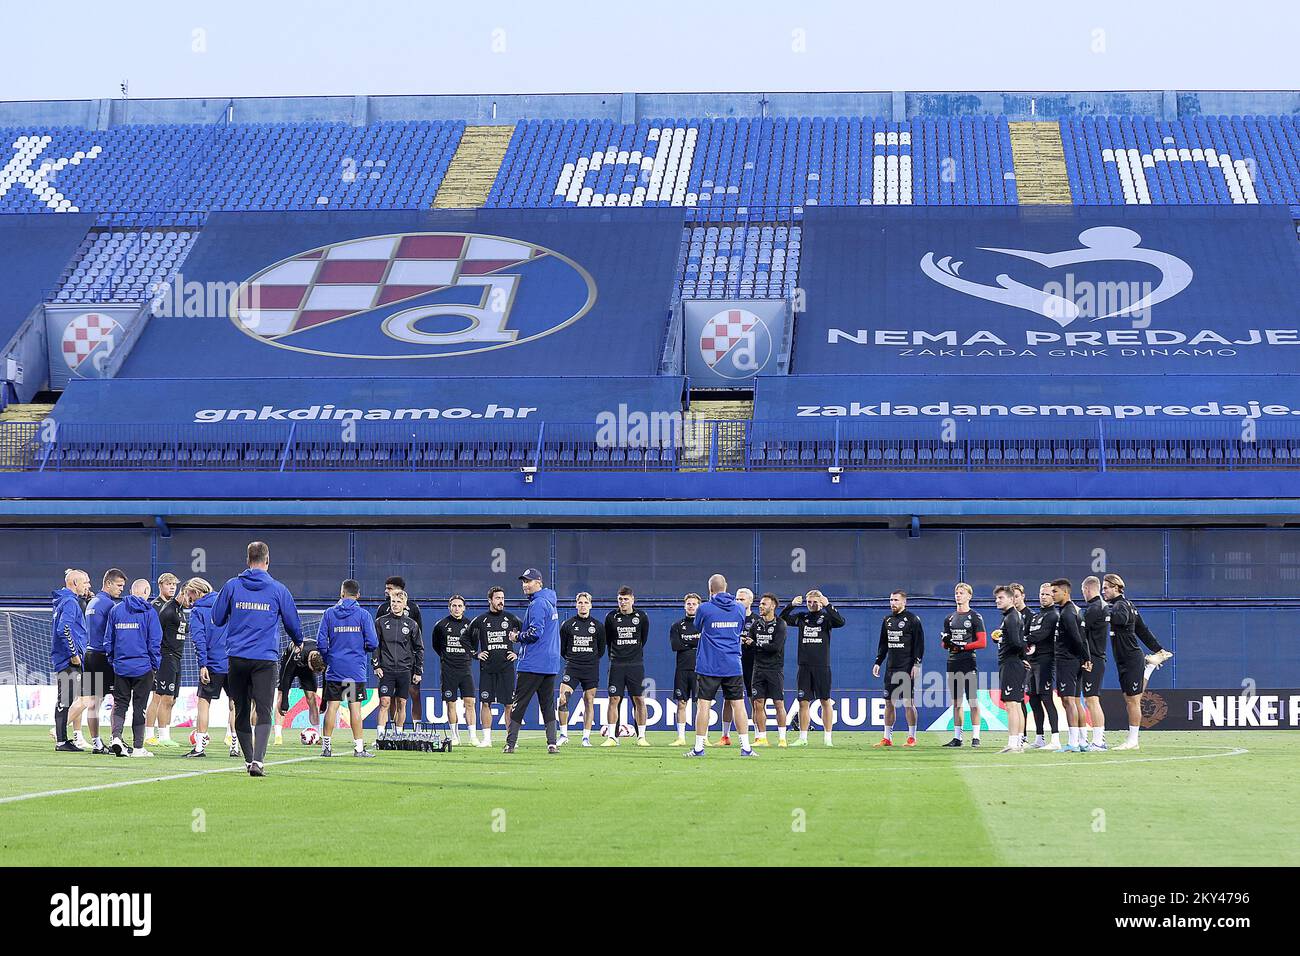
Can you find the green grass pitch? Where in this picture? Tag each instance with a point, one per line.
(1217, 798)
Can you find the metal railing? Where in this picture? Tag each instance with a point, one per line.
(675, 444)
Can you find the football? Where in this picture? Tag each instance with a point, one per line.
(309, 736)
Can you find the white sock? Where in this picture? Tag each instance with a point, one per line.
(975, 730)
(586, 733)
(780, 732)
(1074, 736)
(1040, 739)
(911, 732)
(727, 729)
(744, 741)
(1056, 739)
(1133, 734)
(803, 735)
(166, 733)
(359, 744)
(325, 741)
(640, 731)
(1098, 735)
(958, 733)
(826, 735)
(889, 733)
(487, 735)
(699, 741)
(1147, 672)
(201, 742)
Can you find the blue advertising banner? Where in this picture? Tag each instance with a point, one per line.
(82, 339)
(728, 343)
(35, 249)
(438, 292)
(212, 401)
(1096, 290)
(1076, 398)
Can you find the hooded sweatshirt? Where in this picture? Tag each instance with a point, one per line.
(540, 635)
(346, 639)
(68, 633)
(97, 611)
(720, 621)
(133, 638)
(251, 607)
(209, 640)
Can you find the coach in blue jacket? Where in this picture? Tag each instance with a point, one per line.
(345, 641)
(133, 642)
(251, 608)
(539, 660)
(720, 621)
(68, 640)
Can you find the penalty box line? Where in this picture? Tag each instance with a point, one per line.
(133, 783)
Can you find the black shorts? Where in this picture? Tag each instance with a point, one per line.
(814, 682)
(1042, 678)
(581, 677)
(345, 691)
(964, 683)
(68, 683)
(898, 686)
(768, 684)
(1131, 670)
(1067, 670)
(395, 684)
(167, 681)
(1012, 676)
(307, 680)
(685, 685)
(496, 686)
(97, 674)
(733, 688)
(626, 680)
(212, 689)
(457, 684)
(1091, 680)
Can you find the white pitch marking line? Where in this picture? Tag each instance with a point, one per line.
(1031, 762)
(132, 783)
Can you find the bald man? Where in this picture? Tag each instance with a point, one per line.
(721, 622)
(133, 637)
(67, 652)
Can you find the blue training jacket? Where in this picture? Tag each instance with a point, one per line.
(97, 611)
(251, 607)
(68, 635)
(720, 621)
(540, 637)
(133, 638)
(209, 640)
(345, 639)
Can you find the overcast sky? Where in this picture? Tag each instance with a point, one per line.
(76, 49)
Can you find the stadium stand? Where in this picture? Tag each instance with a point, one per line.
(124, 266)
(131, 173)
(748, 170)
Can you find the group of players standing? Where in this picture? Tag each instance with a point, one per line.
(126, 646)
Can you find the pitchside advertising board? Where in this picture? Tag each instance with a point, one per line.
(1076, 398)
(449, 292)
(573, 399)
(33, 704)
(728, 343)
(1105, 291)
